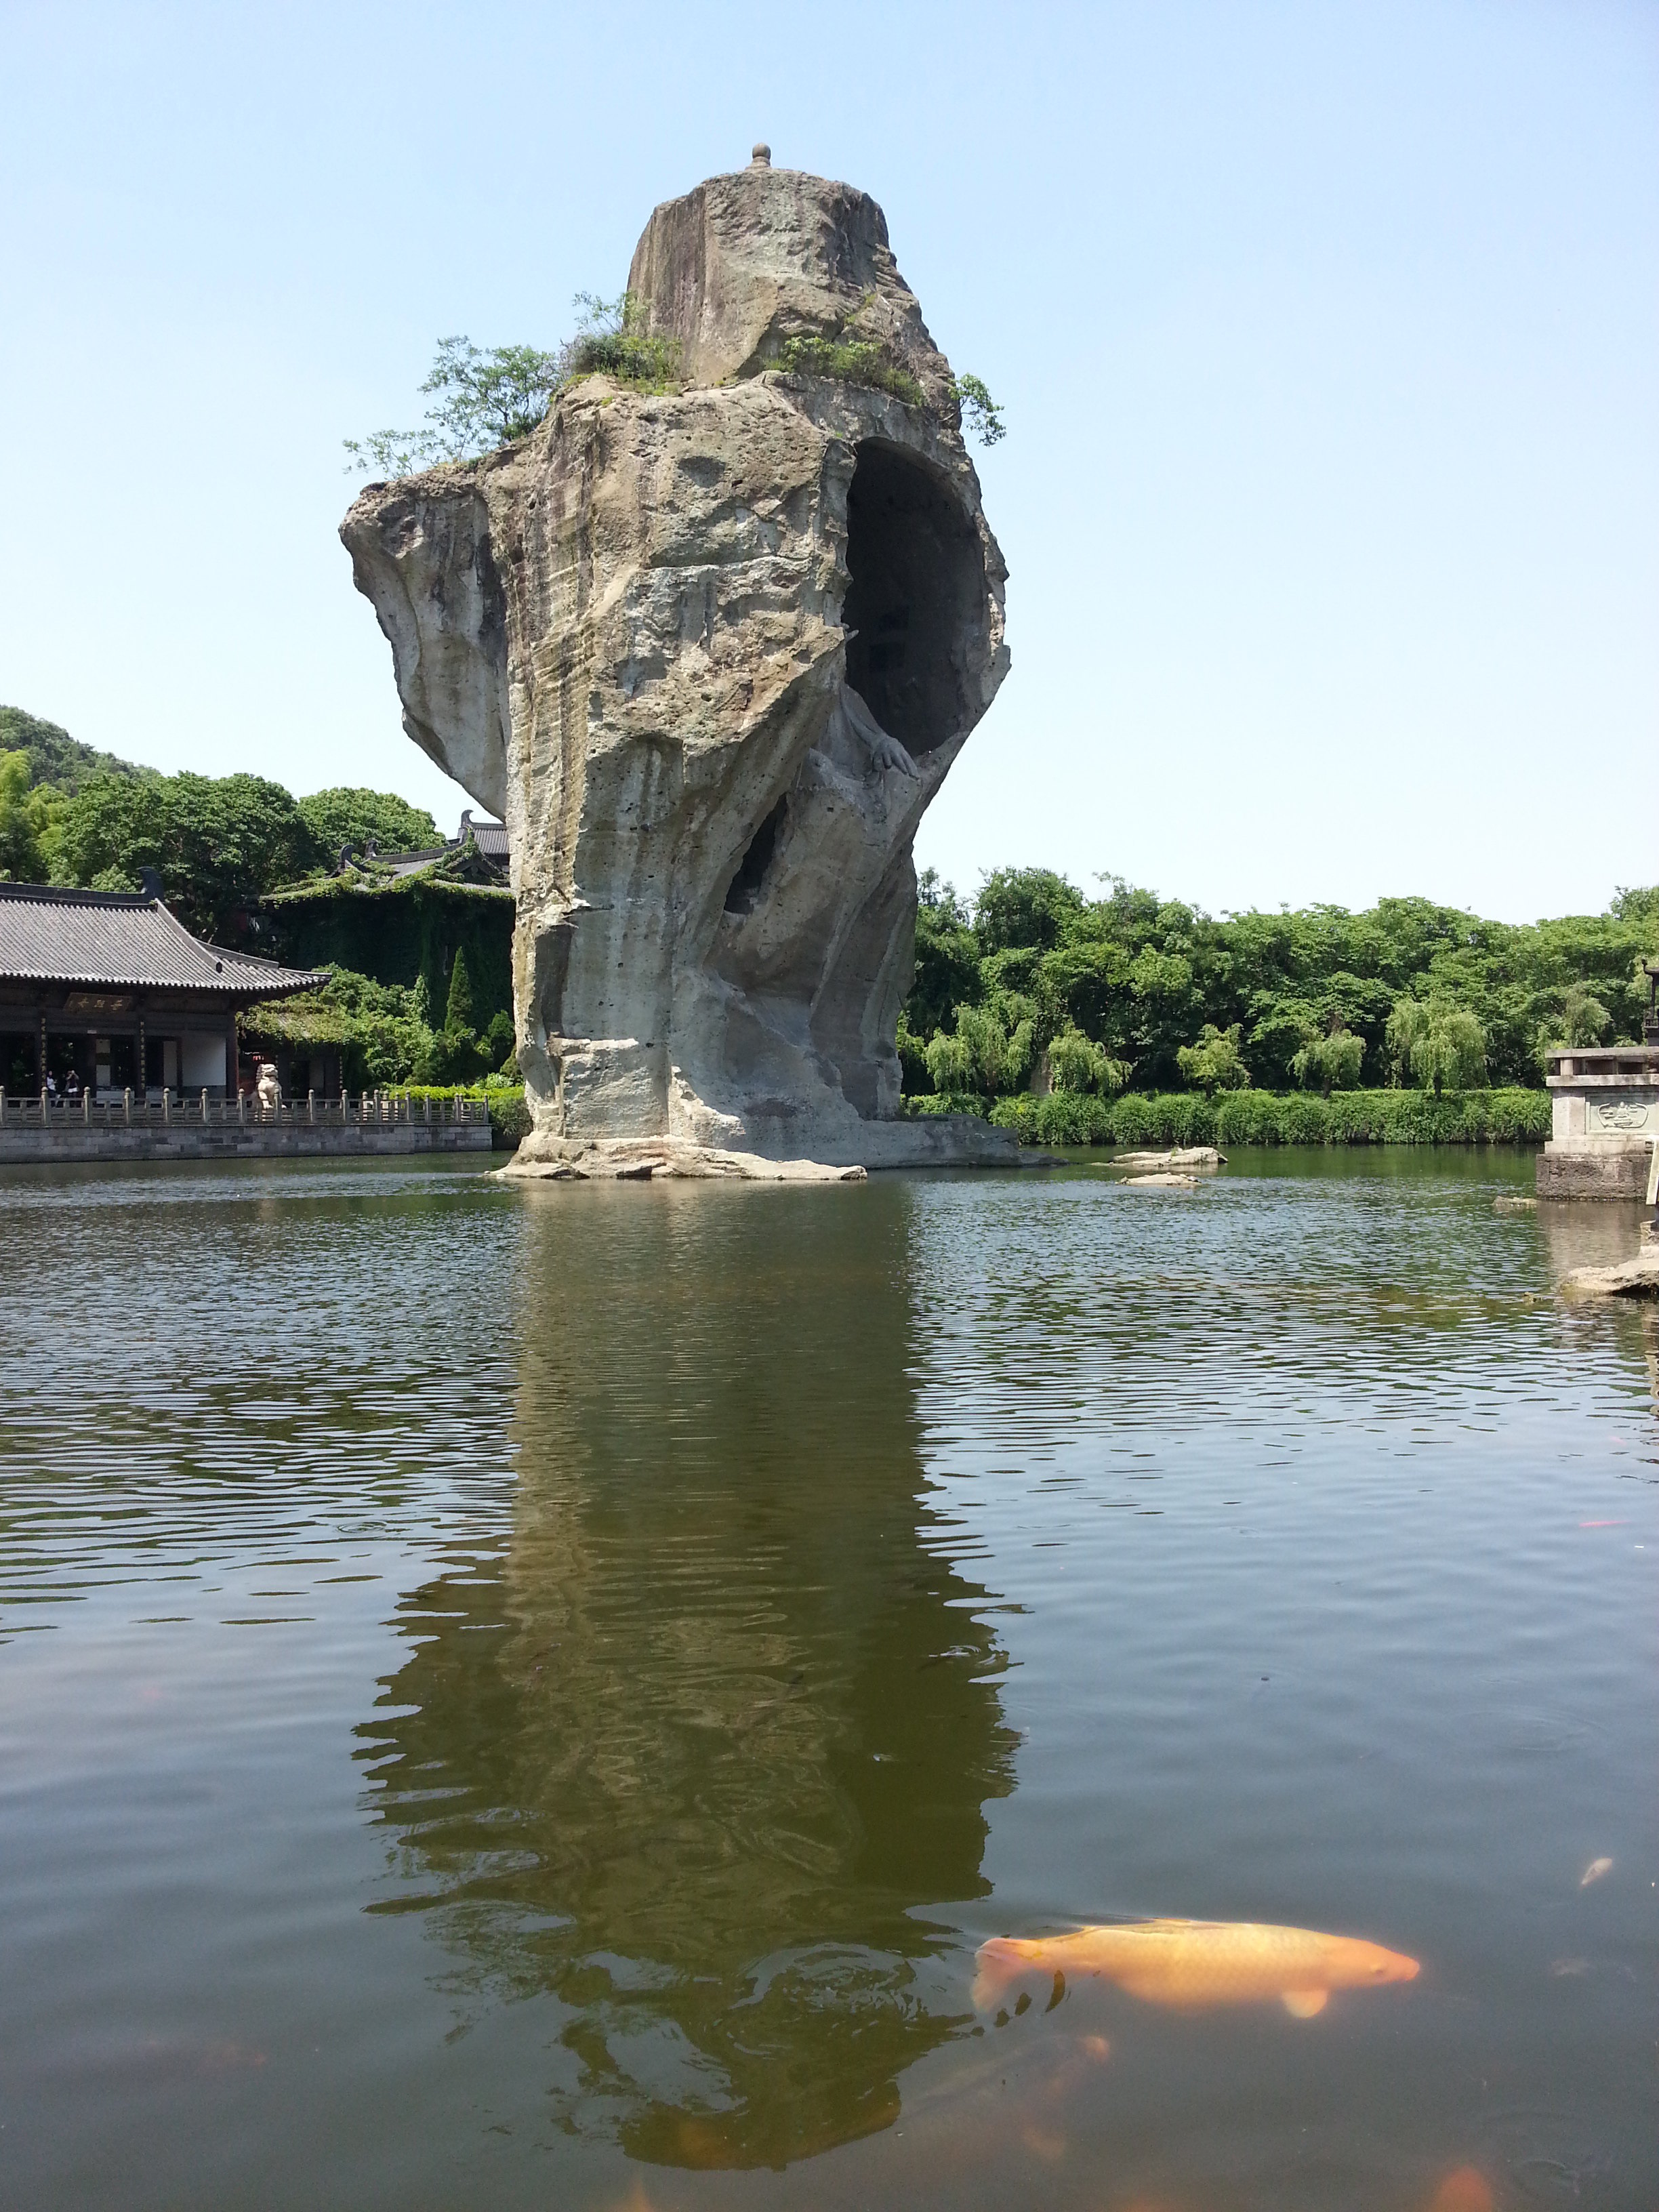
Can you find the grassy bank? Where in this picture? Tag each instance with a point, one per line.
(1264, 1117)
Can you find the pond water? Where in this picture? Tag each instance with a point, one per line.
(534, 1696)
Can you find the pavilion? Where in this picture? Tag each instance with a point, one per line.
(109, 985)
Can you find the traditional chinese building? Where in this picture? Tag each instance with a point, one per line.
(107, 988)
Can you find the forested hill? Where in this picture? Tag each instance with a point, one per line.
(53, 755)
(1135, 989)
(69, 814)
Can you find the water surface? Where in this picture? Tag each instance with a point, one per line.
(534, 1695)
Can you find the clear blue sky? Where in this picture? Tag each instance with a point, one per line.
(1327, 335)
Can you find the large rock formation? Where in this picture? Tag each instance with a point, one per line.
(711, 651)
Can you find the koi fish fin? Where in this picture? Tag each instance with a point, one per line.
(1303, 2004)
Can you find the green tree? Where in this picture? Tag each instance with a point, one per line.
(1585, 1019)
(983, 1055)
(1084, 984)
(1441, 1046)
(377, 1026)
(54, 757)
(485, 397)
(950, 1063)
(216, 842)
(1453, 1055)
(499, 1045)
(482, 398)
(25, 821)
(947, 959)
(1026, 908)
(1139, 975)
(1331, 1062)
(979, 412)
(1215, 1062)
(1407, 1026)
(458, 1013)
(1075, 1063)
(348, 815)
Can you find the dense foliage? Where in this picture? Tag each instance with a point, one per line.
(1259, 1117)
(219, 844)
(1171, 999)
(408, 930)
(386, 1032)
(215, 841)
(25, 817)
(510, 1110)
(348, 815)
(53, 756)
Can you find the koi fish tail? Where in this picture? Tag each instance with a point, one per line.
(1000, 1962)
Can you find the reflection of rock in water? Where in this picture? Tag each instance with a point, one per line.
(1589, 1235)
(723, 1722)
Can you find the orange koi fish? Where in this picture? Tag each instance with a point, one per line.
(1466, 2191)
(1193, 1963)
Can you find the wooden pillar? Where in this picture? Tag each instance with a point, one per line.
(141, 1086)
(232, 1079)
(41, 1055)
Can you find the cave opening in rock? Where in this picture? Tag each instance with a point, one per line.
(916, 598)
(745, 886)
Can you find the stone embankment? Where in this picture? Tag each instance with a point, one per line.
(61, 1134)
(21, 1147)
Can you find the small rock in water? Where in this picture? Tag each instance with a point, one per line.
(1631, 1278)
(1512, 1202)
(1192, 1156)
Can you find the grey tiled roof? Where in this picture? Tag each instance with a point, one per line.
(124, 939)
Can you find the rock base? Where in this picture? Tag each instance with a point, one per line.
(1631, 1278)
(1619, 1171)
(953, 1141)
(640, 1160)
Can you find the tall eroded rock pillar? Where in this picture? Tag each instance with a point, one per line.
(711, 652)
